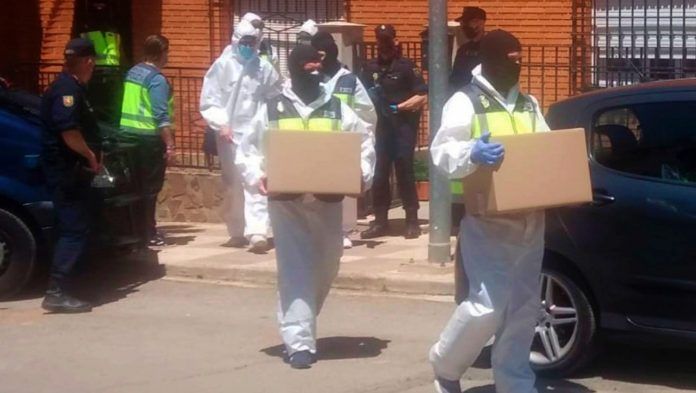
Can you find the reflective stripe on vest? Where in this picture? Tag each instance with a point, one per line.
(282, 115)
(107, 46)
(345, 89)
(136, 111)
(491, 116)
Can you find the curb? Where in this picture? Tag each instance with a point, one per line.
(346, 281)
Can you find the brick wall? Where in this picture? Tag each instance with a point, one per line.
(56, 25)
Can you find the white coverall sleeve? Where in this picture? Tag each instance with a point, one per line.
(352, 123)
(213, 98)
(273, 84)
(541, 125)
(451, 147)
(364, 108)
(250, 155)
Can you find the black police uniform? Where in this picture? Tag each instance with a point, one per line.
(466, 60)
(64, 107)
(396, 134)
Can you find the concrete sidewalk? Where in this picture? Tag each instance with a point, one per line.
(389, 264)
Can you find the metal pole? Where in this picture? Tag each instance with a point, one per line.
(438, 72)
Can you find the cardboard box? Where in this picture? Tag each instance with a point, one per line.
(540, 170)
(306, 162)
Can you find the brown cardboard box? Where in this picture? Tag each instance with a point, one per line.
(313, 162)
(540, 170)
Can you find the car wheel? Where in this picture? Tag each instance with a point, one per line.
(565, 334)
(17, 254)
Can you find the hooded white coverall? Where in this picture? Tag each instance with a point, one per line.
(275, 62)
(502, 258)
(365, 109)
(233, 92)
(307, 231)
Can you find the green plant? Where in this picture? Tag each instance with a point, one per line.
(421, 170)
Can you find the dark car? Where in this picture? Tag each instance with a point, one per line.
(627, 262)
(26, 213)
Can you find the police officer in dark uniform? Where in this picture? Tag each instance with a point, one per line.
(399, 93)
(473, 24)
(70, 158)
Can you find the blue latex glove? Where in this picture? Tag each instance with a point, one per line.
(486, 153)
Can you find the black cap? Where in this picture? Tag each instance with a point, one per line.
(471, 13)
(385, 32)
(79, 47)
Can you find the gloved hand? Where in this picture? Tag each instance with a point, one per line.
(486, 153)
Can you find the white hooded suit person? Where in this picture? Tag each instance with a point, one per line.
(307, 228)
(502, 254)
(233, 91)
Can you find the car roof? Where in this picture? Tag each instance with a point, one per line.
(664, 86)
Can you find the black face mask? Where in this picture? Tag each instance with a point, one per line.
(324, 42)
(304, 83)
(503, 75)
(470, 32)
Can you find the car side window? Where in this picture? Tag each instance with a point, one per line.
(656, 140)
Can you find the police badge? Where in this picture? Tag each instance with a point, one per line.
(484, 102)
(280, 107)
(528, 107)
(68, 101)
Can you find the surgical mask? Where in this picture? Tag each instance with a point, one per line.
(246, 52)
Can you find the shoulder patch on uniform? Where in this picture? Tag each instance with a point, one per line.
(375, 76)
(484, 101)
(416, 71)
(68, 101)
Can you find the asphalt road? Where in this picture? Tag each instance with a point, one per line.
(151, 334)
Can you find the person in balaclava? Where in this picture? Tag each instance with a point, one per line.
(473, 25)
(266, 50)
(307, 227)
(502, 254)
(347, 87)
(233, 91)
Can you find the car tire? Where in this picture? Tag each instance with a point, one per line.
(17, 254)
(566, 294)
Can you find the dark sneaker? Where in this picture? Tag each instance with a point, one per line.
(64, 304)
(412, 231)
(302, 360)
(236, 242)
(157, 240)
(375, 230)
(446, 386)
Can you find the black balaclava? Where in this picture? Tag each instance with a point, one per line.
(324, 42)
(304, 83)
(497, 68)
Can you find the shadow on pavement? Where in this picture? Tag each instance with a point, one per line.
(542, 387)
(338, 348)
(641, 362)
(105, 277)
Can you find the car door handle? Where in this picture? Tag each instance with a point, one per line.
(602, 198)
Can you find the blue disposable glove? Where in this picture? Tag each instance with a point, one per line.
(486, 153)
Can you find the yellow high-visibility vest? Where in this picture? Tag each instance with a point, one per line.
(107, 45)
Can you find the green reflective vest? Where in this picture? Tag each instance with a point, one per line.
(282, 115)
(136, 111)
(345, 88)
(491, 116)
(107, 45)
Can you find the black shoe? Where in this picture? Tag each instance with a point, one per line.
(446, 386)
(412, 231)
(376, 229)
(157, 240)
(60, 302)
(236, 242)
(302, 360)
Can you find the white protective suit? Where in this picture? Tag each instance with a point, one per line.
(308, 236)
(274, 60)
(233, 91)
(502, 258)
(363, 107)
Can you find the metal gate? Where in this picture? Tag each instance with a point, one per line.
(641, 40)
